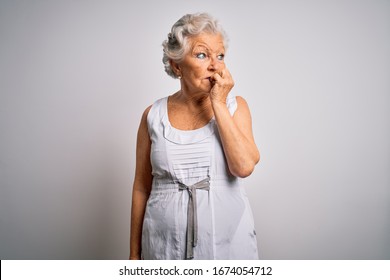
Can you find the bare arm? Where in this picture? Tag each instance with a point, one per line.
(141, 187)
(236, 131)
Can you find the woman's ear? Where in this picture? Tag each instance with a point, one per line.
(175, 67)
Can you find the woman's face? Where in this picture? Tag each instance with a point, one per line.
(204, 58)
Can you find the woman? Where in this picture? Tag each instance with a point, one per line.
(191, 148)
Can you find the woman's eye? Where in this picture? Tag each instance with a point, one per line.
(201, 55)
(221, 56)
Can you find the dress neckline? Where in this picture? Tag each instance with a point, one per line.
(210, 122)
(180, 136)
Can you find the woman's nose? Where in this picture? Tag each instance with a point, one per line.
(214, 65)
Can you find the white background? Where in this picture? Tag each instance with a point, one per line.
(75, 77)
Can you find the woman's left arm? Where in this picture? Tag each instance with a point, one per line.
(236, 131)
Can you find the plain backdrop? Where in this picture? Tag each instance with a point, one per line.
(75, 77)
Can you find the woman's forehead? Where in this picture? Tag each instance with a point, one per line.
(209, 40)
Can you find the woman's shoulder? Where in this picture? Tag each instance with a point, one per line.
(241, 101)
(237, 104)
(158, 103)
(146, 112)
(236, 98)
(232, 103)
(155, 111)
(242, 111)
(153, 105)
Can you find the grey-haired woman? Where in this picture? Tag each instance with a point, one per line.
(192, 149)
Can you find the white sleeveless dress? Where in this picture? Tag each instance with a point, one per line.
(196, 208)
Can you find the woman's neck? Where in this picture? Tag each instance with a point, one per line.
(194, 101)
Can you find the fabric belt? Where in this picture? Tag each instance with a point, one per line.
(192, 217)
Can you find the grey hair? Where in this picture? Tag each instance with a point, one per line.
(176, 46)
